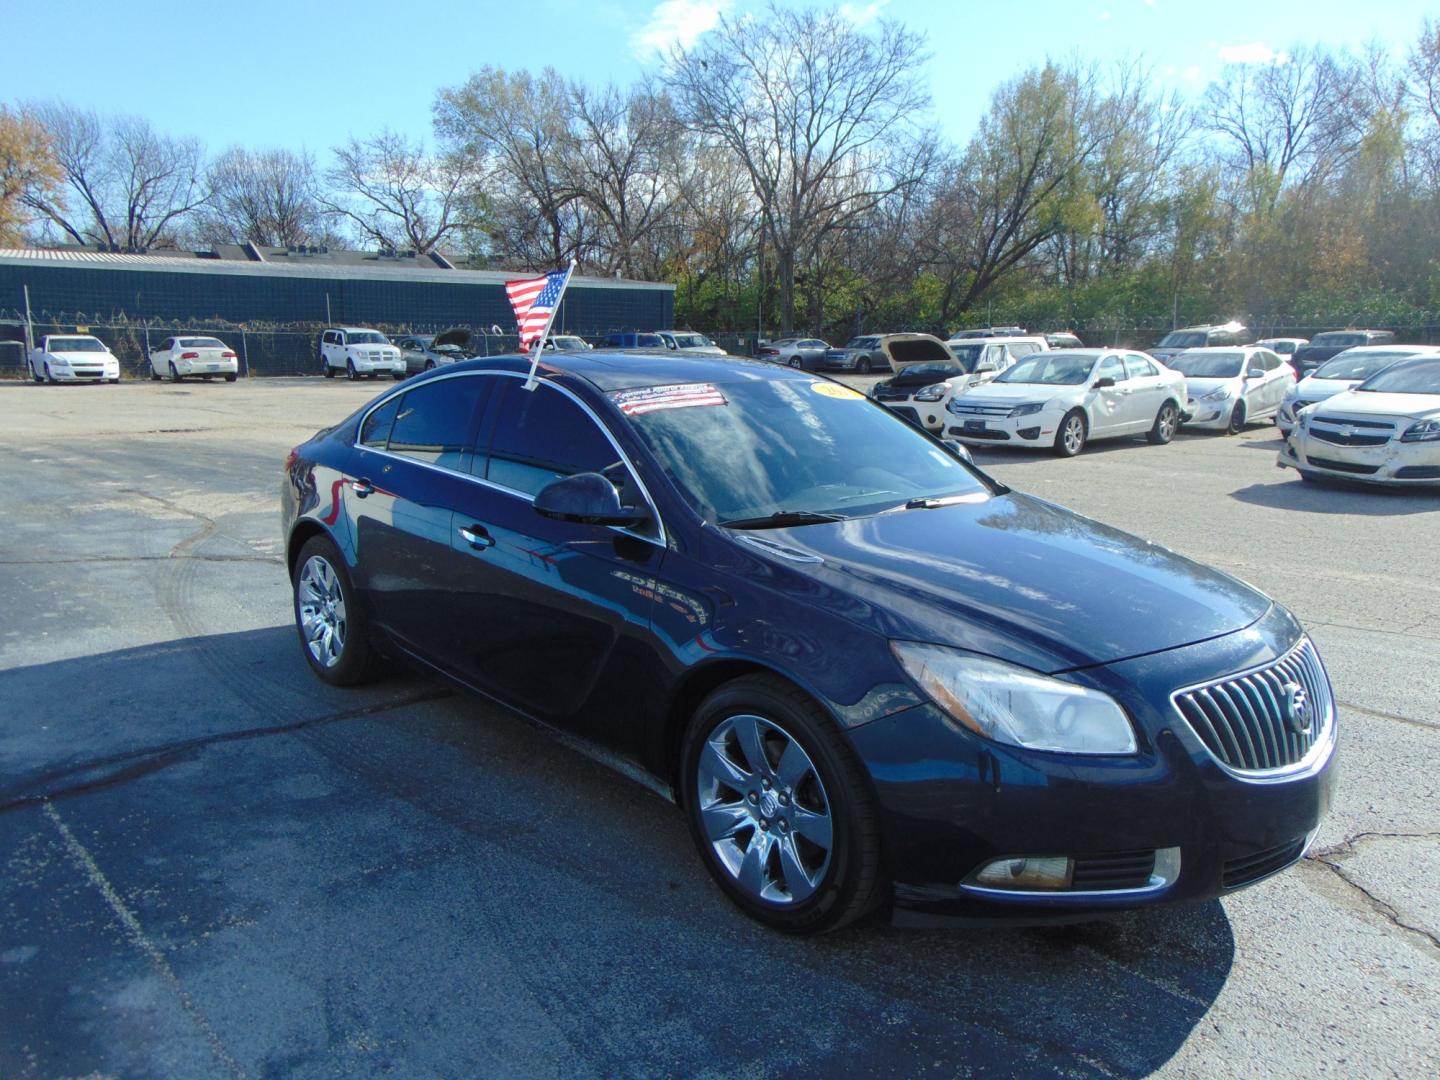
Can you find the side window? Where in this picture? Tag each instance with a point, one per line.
(1023, 348)
(1269, 361)
(541, 436)
(1111, 367)
(1140, 367)
(375, 432)
(167, 344)
(434, 421)
(331, 338)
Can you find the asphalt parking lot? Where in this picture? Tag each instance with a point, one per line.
(211, 864)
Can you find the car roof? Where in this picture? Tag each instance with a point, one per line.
(1386, 350)
(999, 339)
(1224, 349)
(628, 369)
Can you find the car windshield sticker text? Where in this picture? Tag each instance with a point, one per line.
(654, 398)
(835, 390)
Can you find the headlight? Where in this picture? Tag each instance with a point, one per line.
(1012, 705)
(933, 392)
(1028, 408)
(1218, 395)
(1424, 431)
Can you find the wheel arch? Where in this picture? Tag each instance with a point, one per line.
(304, 530)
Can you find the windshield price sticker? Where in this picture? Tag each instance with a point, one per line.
(835, 390)
(654, 398)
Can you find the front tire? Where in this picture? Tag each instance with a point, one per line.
(50, 379)
(779, 808)
(1167, 420)
(397, 375)
(794, 361)
(862, 366)
(39, 379)
(1237, 419)
(1071, 436)
(350, 372)
(333, 630)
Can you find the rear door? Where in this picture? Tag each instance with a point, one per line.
(1147, 389)
(553, 610)
(409, 471)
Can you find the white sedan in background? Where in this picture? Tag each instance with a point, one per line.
(186, 355)
(1232, 386)
(1063, 399)
(1384, 431)
(1342, 372)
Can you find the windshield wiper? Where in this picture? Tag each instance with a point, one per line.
(782, 519)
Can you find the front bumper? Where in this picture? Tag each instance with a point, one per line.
(951, 802)
(379, 367)
(930, 415)
(1033, 429)
(105, 372)
(1207, 414)
(1394, 464)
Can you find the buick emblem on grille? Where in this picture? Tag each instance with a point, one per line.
(1297, 708)
(1345, 433)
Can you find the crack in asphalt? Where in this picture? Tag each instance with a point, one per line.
(1331, 857)
(1377, 714)
(1408, 632)
(137, 763)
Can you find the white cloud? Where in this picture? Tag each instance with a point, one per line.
(676, 22)
(1104, 16)
(1255, 52)
(863, 15)
(1189, 74)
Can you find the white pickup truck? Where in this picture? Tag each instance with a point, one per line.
(73, 358)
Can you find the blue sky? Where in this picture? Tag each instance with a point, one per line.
(304, 74)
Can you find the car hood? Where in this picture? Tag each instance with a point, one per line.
(1311, 390)
(84, 357)
(1200, 387)
(1011, 393)
(1314, 354)
(1021, 579)
(1369, 403)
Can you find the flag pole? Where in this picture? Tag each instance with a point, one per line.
(539, 345)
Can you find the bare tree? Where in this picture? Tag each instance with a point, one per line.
(1284, 122)
(512, 129)
(820, 116)
(130, 185)
(397, 196)
(266, 197)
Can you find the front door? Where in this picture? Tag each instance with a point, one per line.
(552, 610)
(1110, 407)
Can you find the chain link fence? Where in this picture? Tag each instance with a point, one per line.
(295, 350)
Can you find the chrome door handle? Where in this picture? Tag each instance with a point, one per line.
(477, 537)
(361, 487)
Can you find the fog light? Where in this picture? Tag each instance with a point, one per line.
(1051, 872)
(1029, 433)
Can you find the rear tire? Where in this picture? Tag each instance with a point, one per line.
(1167, 420)
(794, 361)
(174, 372)
(230, 378)
(328, 370)
(779, 808)
(332, 626)
(154, 375)
(1072, 434)
(429, 365)
(1237, 419)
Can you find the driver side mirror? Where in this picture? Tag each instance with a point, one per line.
(589, 499)
(1104, 382)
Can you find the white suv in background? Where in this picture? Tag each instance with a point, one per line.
(357, 351)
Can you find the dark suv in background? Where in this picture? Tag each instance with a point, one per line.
(1199, 337)
(1324, 346)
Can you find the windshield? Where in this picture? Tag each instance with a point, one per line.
(1335, 341)
(1411, 377)
(967, 355)
(75, 344)
(750, 449)
(567, 343)
(1050, 369)
(692, 341)
(1225, 365)
(366, 337)
(1357, 364)
(1182, 339)
(200, 343)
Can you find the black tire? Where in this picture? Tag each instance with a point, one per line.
(1078, 431)
(350, 372)
(1237, 419)
(1167, 422)
(230, 378)
(39, 379)
(398, 375)
(429, 365)
(325, 365)
(851, 883)
(357, 661)
(795, 362)
(50, 380)
(154, 375)
(174, 372)
(862, 366)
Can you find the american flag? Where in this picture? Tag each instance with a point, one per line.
(533, 300)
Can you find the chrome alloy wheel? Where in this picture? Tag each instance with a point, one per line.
(1074, 435)
(321, 606)
(764, 809)
(1167, 424)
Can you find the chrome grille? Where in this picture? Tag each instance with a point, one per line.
(1345, 421)
(1244, 720)
(963, 408)
(1341, 438)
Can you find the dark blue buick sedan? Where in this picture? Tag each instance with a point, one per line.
(868, 673)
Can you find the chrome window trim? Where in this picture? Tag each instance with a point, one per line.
(661, 540)
(1318, 755)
